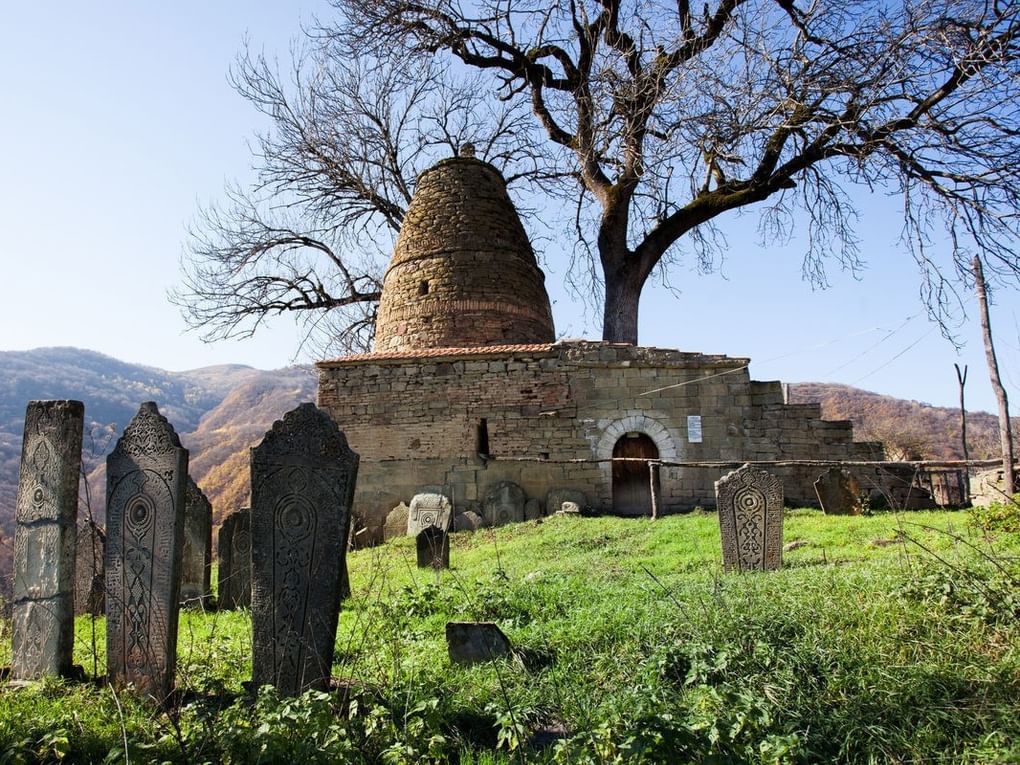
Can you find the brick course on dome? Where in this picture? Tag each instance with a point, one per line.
(463, 272)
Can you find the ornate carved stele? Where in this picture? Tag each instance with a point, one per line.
(44, 539)
(234, 548)
(302, 485)
(146, 479)
(428, 510)
(196, 563)
(750, 505)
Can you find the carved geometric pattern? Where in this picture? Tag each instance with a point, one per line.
(750, 507)
(44, 542)
(303, 475)
(146, 475)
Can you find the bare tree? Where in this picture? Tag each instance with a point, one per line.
(668, 116)
(333, 175)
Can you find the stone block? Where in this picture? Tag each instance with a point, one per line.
(838, 492)
(475, 642)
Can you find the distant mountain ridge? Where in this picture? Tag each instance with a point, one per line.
(218, 411)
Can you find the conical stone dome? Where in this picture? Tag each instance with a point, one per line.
(463, 273)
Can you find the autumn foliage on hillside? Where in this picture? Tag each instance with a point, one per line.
(910, 430)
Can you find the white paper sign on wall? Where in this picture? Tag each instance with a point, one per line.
(694, 428)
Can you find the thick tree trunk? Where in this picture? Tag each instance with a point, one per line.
(620, 320)
(1005, 430)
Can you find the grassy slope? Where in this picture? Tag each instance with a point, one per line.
(631, 640)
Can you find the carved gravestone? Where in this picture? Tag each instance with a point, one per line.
(428, 510)
(234, 546)
(89, 578)
(196, 560)
(474, 642)
(302, 478)
(146, 478)
(504, 503)
(838, 492)
(433, 548)
(467, 521)
(44, 540)
(750, 505)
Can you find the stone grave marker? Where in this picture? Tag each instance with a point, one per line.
(750, 506)
(46, 513)
(396, 522)
(556, 497)
(433, 548)
(89, 573)
(234, 551)
(838, 492)
(504, 503)
(146, 475)
(196, 562)
(302, 485)
(467, 521)
(428, 510)
(532, 510)
(475, 642)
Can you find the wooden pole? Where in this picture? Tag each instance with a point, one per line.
(961, 377)
(1005, 430)
(653, 480)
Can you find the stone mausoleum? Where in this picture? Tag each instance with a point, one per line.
(466, 388)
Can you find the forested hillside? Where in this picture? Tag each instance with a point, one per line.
(218, 412)
(910, 430)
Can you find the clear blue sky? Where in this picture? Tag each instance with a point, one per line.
(118, 122)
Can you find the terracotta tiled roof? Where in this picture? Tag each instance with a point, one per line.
(431, 353)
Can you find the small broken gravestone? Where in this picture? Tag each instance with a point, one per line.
(475, 642)
(146, 476)
(750, 506)
(46, 512)
(433, 548)
(89, 577)
(234, 552)
(555, 499)
(504, 503)
(196, 562)
(302, 485)
(838, 492)
(428, 510)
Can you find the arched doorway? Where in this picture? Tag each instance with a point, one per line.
(632, 493)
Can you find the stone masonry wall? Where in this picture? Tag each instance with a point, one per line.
(416, 421)
(463, 272)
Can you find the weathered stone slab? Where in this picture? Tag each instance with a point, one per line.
(234, 551)
(302, 477)
(532, 510)
(147, 475)
(89, 573)
(556, 497)
(196, 561)
(428, 510)
(750, 505)
(475, 642)
(44, 540)
(838, 492)
(504, 503)
(467, 521)
(396, 522)
(433, 546)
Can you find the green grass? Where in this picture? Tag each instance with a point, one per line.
(886, 638)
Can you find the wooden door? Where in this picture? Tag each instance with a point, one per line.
(632, 493)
